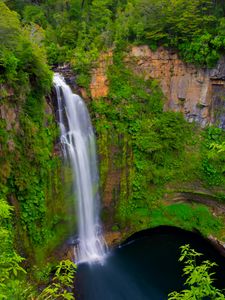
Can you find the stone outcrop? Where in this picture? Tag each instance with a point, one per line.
(196, 92)
(99, 82)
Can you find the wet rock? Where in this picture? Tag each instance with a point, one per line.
(69, 77)
(218, 73)
(113, 238)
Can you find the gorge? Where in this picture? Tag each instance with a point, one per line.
(117, 274)
(145, 81)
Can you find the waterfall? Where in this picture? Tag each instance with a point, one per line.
(79, 150)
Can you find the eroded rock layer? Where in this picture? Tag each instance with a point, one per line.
(196, 92)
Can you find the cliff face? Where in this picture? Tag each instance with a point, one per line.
(196, 92)
(31, 173)
(140, 185)
(99, 82)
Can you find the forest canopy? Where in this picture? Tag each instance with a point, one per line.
(76, 30)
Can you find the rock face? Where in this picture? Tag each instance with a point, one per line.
(196, 92)
(99, 82)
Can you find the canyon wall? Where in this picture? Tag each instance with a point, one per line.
(196, 92)
(199, 94)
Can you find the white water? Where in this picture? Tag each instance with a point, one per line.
(78, 140)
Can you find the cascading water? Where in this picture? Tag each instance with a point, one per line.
(78, 140)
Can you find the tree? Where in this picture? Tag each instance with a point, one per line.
(199, 280)
(10, 30)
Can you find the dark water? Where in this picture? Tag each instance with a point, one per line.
(146, 267)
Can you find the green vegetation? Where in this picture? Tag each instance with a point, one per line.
(156, 153)
(199, 280)
(13, 280)
(76, 31)
(28, 133)
(213, 156)
(29, 169)
(187, 216)
(62, 281)
(10, 261)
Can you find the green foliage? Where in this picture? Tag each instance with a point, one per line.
(22, 61)
(191, 27)
(153, 147)
(151, 142)
(77, 31)
(187, 216)
(213, 156)
(199, 280)
(153, 150)
(62, 282)
(10, 269)
(30, 178)
(26, 173)
(217, 148)
(34, 14)
(10, 27)
(203, 50)
(29, 169)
